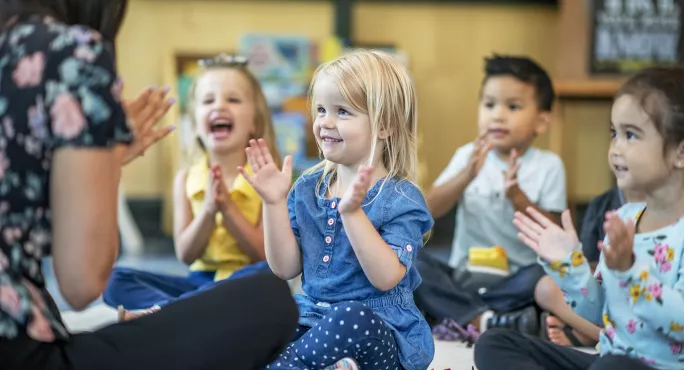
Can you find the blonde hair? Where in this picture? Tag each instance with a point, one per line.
(375, 83)
(263, 122)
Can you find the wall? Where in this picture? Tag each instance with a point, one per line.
(156, 30)
(446, 45)
(585, 135)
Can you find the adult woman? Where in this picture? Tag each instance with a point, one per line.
(63, 141)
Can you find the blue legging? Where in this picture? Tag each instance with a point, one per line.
(349, 330)
(136, 289)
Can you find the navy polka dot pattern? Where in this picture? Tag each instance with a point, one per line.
(350, 330)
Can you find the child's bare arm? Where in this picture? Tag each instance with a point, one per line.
(190, 233)
(521, 203)
(282, 250)
(378, 260)
(280, 244)
(441, 199)
(385, 254)
(553, 196)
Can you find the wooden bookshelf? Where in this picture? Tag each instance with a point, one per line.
(589, 89)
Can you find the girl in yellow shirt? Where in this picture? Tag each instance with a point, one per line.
(217, 214)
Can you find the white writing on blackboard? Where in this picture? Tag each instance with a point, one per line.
(634, 7)
(637, 30)
(611, 45)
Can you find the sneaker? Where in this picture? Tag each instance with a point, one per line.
(525, 321)
(346, 363)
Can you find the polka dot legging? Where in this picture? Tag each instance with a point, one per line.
(349, 330)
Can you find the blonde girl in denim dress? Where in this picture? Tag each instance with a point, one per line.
(353, 224)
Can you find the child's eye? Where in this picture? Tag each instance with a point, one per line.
(207, 101)
(320, 110)
(342, 112)
(613, 133)
(514, 107)
(233, 100)
(489, 105)
(630, 135)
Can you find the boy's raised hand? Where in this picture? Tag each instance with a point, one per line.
(511, 174)
(271, 183)
(478, 156)
(356, 193)
(620, 254)
(548, 240)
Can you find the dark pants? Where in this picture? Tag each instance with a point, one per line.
(136, 289)
(507, 349)
(440, 296)
(212, 330)
(351, 330)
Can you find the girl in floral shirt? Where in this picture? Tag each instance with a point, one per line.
(637, 291)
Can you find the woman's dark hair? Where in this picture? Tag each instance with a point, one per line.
(104, 16)
(660, 92)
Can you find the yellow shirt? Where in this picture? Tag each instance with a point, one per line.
(222, 254)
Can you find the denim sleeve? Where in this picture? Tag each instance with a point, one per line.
(291, 202)
(407, 219)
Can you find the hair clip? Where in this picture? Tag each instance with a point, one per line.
(223, 60)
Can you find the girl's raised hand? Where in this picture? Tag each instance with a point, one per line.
(219, 189)
(548, 240)
(271, 183)
(620, 254)
(356, 193)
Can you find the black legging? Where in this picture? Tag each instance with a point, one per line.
(242, 324)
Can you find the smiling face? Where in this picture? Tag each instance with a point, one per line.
(509, 113)
(224, 110)
(343, 134)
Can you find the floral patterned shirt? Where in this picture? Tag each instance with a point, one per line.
(641, 309)
(58, 88)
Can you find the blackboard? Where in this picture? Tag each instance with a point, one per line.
(628, 35)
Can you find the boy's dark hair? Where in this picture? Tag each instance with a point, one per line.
(103, 16)
(660, 92)
(525, 70)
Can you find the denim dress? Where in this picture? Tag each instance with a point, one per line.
(332, 273)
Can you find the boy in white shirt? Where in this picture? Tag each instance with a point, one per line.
(491, 178)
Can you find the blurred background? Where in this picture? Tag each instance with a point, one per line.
(588, 47)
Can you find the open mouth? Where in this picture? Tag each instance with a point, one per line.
(498, 132)
(221, 128)
(330, 140)
(620, 169)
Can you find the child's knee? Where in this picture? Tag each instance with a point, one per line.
(120, 276)
(353, 316)
(547, 292)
